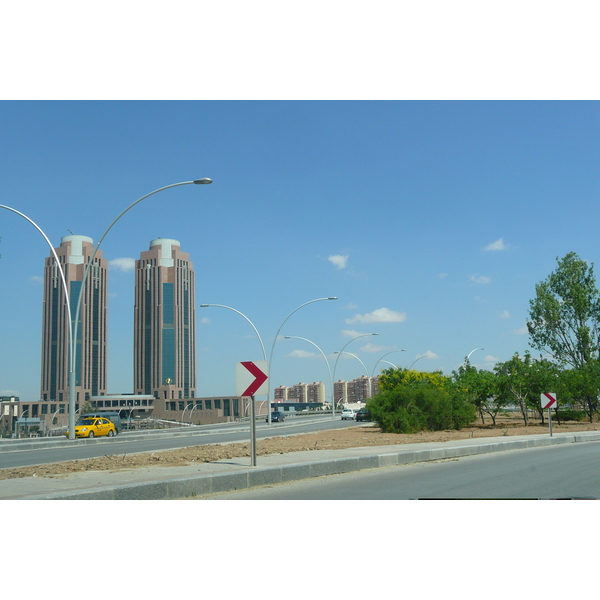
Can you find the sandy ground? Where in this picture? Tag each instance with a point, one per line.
(353, 437)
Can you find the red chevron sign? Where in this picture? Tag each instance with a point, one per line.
(251, 378)
(548, 400)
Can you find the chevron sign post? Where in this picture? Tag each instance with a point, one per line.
(251, 379)
(548, 400)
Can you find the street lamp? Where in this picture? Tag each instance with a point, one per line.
(73, 361)
(338, 358)
(293, 337)
(245, 317)
(64, 284)
(387, 361)
(420, 357)
(469, 355)
(273, 347)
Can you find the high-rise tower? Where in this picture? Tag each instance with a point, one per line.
(74, 254)
(165, 322)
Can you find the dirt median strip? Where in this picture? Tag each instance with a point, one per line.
(336, 439)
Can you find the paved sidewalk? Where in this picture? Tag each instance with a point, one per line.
(168, 483)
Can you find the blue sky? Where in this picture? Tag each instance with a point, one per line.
(431, 221)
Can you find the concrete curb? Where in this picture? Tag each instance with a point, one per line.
(248, 477)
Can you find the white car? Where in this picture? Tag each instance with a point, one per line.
(348, 413)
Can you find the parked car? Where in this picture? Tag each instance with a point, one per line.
(93, 427)
(348, 413)
(277, 416)
(363, 415)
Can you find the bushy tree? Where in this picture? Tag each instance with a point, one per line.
(564, 317)
(581, 386)
(410, 402)
(479, 388)
(522, 379)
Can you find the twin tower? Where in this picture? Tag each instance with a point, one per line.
(164, 347)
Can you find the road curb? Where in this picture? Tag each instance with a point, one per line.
(245, 478)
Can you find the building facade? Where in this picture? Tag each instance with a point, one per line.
(74, 254)
(165, 322)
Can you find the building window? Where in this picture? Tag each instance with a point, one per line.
(208, 404)
(44, 409)
(198, 404)
(217, 404)
(61, 408)
(226, 408)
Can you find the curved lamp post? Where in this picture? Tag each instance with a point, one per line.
(387, 361)
(469, 355)
(73, 361)
(293, 337)
(364, 367)
(338, 358)
(65, 289)
(273, 347)
(245, 317)
(420, 357)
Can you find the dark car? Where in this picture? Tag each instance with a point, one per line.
(363, 415)
(276, 416)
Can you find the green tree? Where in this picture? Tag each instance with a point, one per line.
(523, 379)
(581, 386)
(479, 388)
(564, 317)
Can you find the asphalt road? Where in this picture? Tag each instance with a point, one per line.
(566, 471)
(133, 442)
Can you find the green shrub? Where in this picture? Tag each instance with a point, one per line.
(409, 409)
(569, 414)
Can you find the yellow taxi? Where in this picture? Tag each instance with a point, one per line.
(94, 426)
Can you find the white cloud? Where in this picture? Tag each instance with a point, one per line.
(521, 331)
(505, 315)
(491, 359)
(123, 264)
(428, 354)
(443, 275)
(497, 245)
(351, 333)
(339, 260)
(36, 279)
(374, 348)
(380, 315)
(302, 354)
(204, 320)
(480, 279)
